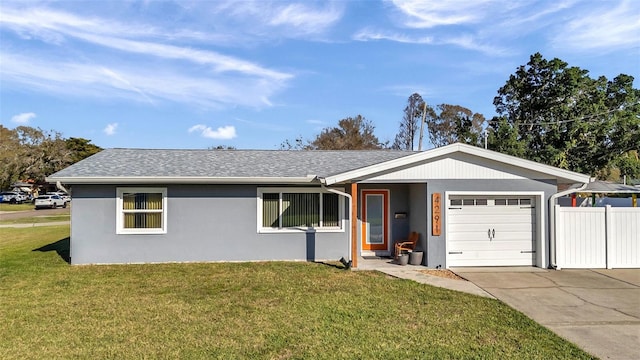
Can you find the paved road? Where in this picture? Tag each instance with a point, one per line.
(599, 310)
(10, 215)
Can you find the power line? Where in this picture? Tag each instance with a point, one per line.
(565, 121)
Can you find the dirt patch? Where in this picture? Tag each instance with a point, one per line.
(443, 273)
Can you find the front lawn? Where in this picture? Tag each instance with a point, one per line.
(277, 310)
(16, 207)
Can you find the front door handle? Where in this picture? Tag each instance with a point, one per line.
(493, 233)
(489, 234)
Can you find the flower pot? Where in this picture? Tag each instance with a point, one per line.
(403, 259)
(415, 257)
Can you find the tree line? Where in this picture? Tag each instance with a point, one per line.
(547, 111)
(31, 154)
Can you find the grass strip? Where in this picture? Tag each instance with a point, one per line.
(36, 219)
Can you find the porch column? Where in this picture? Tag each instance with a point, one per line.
(354, 225)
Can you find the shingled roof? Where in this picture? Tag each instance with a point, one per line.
(144, 164)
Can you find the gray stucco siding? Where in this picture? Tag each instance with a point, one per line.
(204, 223)
(436, 247)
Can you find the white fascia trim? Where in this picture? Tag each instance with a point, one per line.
(527, 164)
(463, 148)
(180, 180)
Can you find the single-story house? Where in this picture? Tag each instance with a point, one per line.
(471, 206)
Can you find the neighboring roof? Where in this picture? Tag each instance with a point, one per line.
(155, 166)
(606, 187)
(209, 166)
(560, 174)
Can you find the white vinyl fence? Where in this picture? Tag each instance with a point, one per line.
(597, 237)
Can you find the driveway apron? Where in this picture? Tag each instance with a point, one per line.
(599, 310)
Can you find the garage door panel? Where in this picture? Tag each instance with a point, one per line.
(496, 262)
(498, 246)
(474, 237)
(490, 218)
(494, 209)
(493, 255)
(482, 228)
(510, 243)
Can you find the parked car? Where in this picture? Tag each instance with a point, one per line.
(12, 197)
(63, 195)
(49, 201)
(27, 196)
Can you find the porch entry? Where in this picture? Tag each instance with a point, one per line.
(375, 219)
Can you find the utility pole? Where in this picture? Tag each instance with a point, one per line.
(486, 135)
(424, 115)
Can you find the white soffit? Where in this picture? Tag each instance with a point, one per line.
(461, 166)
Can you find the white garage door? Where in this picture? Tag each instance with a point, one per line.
(491, 231)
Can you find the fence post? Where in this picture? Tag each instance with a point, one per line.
(558, 228)
(607, 237)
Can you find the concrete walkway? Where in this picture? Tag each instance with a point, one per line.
(599, 310)
(412, 272)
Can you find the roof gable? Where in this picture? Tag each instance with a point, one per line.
(457, 161)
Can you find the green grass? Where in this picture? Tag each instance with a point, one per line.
(277, 310)
(16, 207)
(36, 219)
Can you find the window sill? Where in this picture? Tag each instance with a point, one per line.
(299, 230)
(141, 232)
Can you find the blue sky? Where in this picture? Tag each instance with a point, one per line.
(250, 74)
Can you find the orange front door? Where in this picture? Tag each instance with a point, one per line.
(375, 219)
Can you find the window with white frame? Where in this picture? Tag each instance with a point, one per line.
(141, 210)
(291, 208)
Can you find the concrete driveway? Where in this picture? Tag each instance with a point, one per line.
(599, 310)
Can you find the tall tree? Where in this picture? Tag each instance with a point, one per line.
(31, 153)
(10, 156)
(410, 124)
(564, 118)
(627, 165)
(503, 137)
(454, 124)
(352, 133)
(81, 148)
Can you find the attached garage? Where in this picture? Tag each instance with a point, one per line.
(491, 230)
(470, 206)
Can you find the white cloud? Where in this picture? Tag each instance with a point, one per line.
(179, 73)
(23, 118)
(469, 42)
(110, 129)
(498, 27)
(305, 18)
(222, 133)
(605, 28)
(114, 35)
(426, 14)
(315, 122)
(368, 34)
(137, 84)
(265, 18)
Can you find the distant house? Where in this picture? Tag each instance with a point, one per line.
(471, 206)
